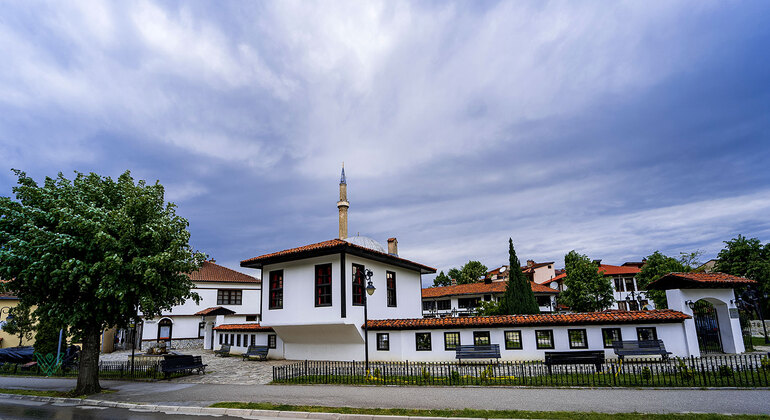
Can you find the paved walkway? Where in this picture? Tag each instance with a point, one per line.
(611, 400)
(231, 370)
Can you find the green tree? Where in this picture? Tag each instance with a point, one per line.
(518, 297)
(746, 257)
(91, 251)
(586, 289)
(658, 265)
(47, 336)
(472, 272)
(20, 322)
(442, 280)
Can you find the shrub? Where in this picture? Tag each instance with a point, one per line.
(685, 372)
(725, 371)
(376, 373)
(425, 374)
(646, 373)
(454, 376)
(765, 363)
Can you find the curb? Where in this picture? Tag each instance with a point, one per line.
(234, 412)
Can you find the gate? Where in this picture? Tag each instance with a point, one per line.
(707, 327)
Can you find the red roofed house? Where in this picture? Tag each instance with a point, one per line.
(464, 299)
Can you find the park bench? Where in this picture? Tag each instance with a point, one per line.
(489, 351)
(182, 363)
(223, 351)
(256, 351)
(582, 357)
(640, 348)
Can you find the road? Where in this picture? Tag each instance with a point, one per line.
(611, 400)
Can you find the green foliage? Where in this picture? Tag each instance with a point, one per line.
(89, 251)
(656, 266)
(646, 373)
(47, 337)
(685, 372)
(425, 374)
(442, 280)
(20, 322)
(376, 373)
(471, 272)
(488, 307)
(765, 363)
(586, 289)
(748, 258)
(454, 376)
(518, 297)
(725, 371)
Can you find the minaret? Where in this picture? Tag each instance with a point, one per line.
(343, 205)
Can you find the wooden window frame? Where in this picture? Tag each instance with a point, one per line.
(654, 333)
(359, 285)
(229, 296)
(275, 294)
(585, 338)
(481, 334)
(390, 277)
(380, 341)
(604, 336)
(521, 340)
(272, 341)
(170, 325)
(448, 304)
(323, 291)
(417, 341)
(446, 342)
(549, 333)
(201, 329)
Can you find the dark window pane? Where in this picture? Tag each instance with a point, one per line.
(513, 340)
(358, 284)
(451, 340)
(609, 335)
(481, 338)
(544, 339)
(423, 341)
(383, 341)
(577, 339)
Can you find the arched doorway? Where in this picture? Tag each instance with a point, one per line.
(707, 327)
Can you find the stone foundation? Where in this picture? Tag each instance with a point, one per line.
(756, 328)
(174, 344)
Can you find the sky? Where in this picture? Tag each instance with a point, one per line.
(611, 128)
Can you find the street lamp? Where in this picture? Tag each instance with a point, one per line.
(369, 291)
(634, 296)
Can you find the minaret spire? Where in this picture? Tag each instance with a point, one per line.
(343, 205)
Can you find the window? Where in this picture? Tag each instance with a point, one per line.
(468, 302)
(630, 285)
(238, 339)
(578, 339)
(358, 284)
(481, 338)
(487, 298)
(543, 300)
(609, 335)
(444, 305)
(513, 340)
(544, 339)
(646, 333)
(271, 341)
(251, 318)
(201, 329)
(276, 290)
(633, 305)
(323, 285)
(428, 305)
(383, 341)
(229, 297)
(618, 285)
(220, 338)
(423, 341)
(253, 339)
(451, 340)
(164, 329)
(390, 280)
(231, 339)
(622, 306)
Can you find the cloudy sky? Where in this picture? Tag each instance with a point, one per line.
(612, 128)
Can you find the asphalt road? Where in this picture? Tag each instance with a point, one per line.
(611, 400)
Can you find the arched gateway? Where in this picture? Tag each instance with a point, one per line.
(710, 299)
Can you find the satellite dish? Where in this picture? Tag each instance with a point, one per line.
(502, 269)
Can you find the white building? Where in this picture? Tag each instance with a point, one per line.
(464, 299)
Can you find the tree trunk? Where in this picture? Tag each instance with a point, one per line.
(88, 371)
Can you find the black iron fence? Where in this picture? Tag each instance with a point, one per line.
(141, 369)
(751, 370)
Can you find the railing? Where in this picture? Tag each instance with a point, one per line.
(107, 369)
(718, 371)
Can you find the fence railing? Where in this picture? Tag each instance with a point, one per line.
(714, 371)
(107, 369)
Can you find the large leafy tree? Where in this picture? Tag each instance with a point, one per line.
(442, 280)
(586, 289)
(518, 297)
(471, 272)
(91, 251)
(657, 265)
(746, 257)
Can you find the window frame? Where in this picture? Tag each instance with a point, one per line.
(323, 290)
(604, 336)
(272, 341)
(584, 334)
(446, 342)
(275, 287)
(521, 340)
(201, 329)
(392, 296)
(629, 281)
(380, 341)
(549, 333)
(417, 341)
(358, 290)
(229, 296)
(654, 333)
(165, 322)
(482, 334)
(448, 304)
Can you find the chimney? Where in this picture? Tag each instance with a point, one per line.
(393, 246)
(598, 262)
(453, 282)
(530, 263)
(213, 261)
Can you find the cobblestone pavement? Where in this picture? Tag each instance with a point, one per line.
(220, 370)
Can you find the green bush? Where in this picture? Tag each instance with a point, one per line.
(765, 363)
(646, 373)
(454, 376)
(376, 372)
(425, 374)
(47, 338)
(725, 371)
(685, 372)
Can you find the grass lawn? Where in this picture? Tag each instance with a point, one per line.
(759, 341)
(488, 414)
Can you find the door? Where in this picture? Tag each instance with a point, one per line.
(707, 327)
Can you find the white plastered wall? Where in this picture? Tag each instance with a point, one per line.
(723, 300)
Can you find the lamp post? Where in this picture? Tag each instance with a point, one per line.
(369, 291)
(634, 296)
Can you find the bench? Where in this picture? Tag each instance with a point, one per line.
(182, 363)
(223, 351)
(583, 357)
(256, 351)
(489, 351)
(640, 348)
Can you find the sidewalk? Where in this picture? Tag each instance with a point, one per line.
(610, 400)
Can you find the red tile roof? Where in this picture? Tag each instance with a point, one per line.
(329, 247)
(216, 310)
(587, 318)
(242, 327)
(478, 288)
(211, 272)
(607, 270)
(698, 281)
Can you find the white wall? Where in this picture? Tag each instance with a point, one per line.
(723, 301)
(403, 345)
(261, 338)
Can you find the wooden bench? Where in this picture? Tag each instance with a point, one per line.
(582, 357)
(256, 351)
(640, 348)
(182, 363)
(490, 351)
(223, 351)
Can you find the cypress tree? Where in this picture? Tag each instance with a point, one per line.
(518, 297)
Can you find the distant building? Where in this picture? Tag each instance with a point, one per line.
(464, 299)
